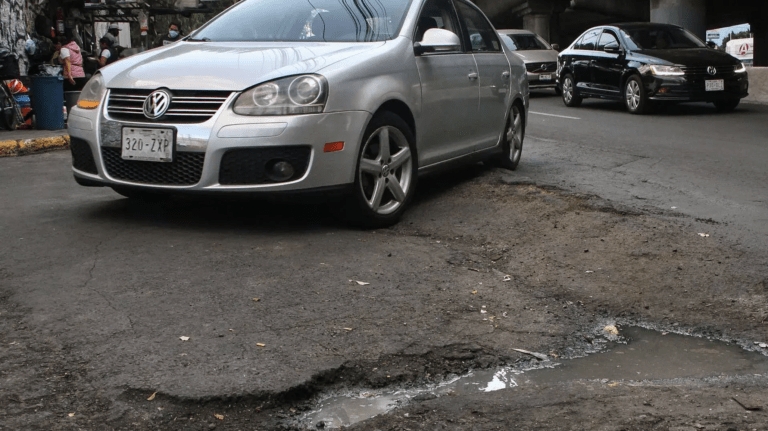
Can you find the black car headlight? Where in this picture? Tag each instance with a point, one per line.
(302, 94)
(740, 68)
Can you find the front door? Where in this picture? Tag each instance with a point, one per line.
(607, 67)
(449, 90)
(494, 77)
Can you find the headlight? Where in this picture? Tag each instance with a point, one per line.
(740, 68)
(303, 94)
(92, 93)
(666, 70)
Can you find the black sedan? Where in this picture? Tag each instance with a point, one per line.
(645, 63)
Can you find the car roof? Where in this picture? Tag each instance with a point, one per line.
(515, 31)
(641, 25)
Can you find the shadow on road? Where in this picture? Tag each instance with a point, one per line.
(671, 109)
(257, 214)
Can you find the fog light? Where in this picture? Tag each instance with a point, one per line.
(279, 170)
(663, 90)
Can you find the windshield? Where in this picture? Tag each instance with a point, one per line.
(308, 20)
(660, 38)
(524, 42)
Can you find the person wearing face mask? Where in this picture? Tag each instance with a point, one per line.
(174, 34)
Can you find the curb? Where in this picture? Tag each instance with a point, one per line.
(22, 147)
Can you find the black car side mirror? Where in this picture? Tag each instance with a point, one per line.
(555, 46)
(711, 44)
(613, 48)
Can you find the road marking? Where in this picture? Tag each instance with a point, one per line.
(553, 115)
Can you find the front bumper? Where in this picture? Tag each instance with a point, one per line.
(535, 80)
(693, 88)
(226, 153)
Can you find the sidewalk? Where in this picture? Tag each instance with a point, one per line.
(21, 142)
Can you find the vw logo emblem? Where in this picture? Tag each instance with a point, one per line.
(712, 70)
(156, 104)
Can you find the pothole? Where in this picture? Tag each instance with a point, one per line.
(635, 356)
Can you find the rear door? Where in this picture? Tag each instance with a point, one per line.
(494, 75)
(583, 55)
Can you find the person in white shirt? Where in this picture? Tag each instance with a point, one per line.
(108, 54)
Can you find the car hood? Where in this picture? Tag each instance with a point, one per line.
(226, 65)
(537, 56)
(689, 57)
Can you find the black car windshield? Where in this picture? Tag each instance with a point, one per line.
(666, 37)
(524, 42)
(306, 21)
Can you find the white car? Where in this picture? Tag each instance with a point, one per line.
(276, 96)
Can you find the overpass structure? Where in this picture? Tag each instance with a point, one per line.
(561, 21)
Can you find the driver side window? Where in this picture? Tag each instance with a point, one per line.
(436, 14)
(607, 38)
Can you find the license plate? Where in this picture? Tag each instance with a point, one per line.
(547, 77)
(151, 145)
(715, 85)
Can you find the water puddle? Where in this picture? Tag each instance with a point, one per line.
(639, 354)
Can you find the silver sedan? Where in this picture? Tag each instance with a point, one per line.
(283, 97)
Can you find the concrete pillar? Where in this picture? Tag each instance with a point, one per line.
(759, 28)
(538, 23)
(691, 14)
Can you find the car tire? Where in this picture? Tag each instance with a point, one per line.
(514, 134)
(139, 195)
(570, 97)
(726, 105)
(385, 175)
(635, 97)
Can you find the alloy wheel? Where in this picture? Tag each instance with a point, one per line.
(385, 170)
(515, 135)
(633, 95)
(568, 90)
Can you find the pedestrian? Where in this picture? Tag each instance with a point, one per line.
(72, 60)
(112, 34)
(108, 54)
(174, 34)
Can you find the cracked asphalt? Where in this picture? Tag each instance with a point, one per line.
(98, 296)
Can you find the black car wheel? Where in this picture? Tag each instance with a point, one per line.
(385, 178)
(635, 98)
(726, 105)
(570, 97)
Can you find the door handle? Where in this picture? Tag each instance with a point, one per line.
(472, 76)
(505, 75)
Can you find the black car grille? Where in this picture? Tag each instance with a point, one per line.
(82, 157)
(548, 67)
(186, 106)
(184, 170)
(249, 165)
(702, 71)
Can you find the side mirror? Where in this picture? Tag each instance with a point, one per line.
(556, 47)
(612, 48)
(436, 40)
(711, 44)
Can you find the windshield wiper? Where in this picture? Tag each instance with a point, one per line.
(205, 39)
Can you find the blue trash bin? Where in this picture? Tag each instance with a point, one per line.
(47, 96)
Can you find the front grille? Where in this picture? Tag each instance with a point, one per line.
(187, 106)
(184, 170)
(82, 157)
(249, 165)
(701, 71)
(548, 67)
